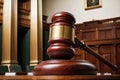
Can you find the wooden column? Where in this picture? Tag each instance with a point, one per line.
(9, 32)
(40, 31)
(36, 31)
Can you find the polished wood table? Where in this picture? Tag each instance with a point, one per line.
(61, 77)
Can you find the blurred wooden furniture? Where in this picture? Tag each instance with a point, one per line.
(103, 36)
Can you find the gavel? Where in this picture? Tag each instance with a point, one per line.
(61, 41)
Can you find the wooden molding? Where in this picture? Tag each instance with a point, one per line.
(1, 18)
(99, 32)
(1, 10)
(24, 9)
(100, 42)
(24, 6)
(23, 22)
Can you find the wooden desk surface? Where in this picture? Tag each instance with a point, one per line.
(61, 77)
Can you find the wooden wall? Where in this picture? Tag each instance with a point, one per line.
(103, 36)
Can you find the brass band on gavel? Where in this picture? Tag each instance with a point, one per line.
(61, 32)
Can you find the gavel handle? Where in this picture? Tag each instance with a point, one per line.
(98, 56)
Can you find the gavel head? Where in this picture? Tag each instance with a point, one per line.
(61, 36)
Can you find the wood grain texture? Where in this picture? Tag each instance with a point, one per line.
(62, 77)
(105, 35)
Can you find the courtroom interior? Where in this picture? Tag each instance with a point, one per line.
(37, 33)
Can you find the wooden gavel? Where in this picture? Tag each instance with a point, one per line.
(61, 41)
(65, 34)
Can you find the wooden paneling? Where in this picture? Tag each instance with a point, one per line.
(79, 54)
(118, 57)
(24, 12)
(105, 33)
(107, 52)
(89, 34)
(103, 36)
(92, 59)
(118, 32)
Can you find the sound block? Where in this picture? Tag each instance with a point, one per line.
(65, 67)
